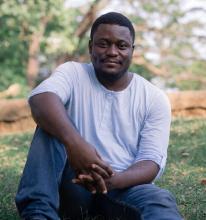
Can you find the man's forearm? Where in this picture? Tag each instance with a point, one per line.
(141, 172)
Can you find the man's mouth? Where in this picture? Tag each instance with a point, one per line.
(108, 61)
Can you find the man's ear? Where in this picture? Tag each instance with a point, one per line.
(133, 47)
(90, 46)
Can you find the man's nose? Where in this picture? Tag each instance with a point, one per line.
(112, 50)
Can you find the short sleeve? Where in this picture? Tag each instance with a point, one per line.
(60, 82)
(154, 135)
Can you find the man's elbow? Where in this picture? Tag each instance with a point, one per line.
(35, 108)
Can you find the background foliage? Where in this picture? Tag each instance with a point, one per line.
(35, 36)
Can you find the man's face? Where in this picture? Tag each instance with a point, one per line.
(111, 50)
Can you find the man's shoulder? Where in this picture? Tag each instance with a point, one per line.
(148, 90)
(145, 84)
(75, 71)
(73, 65)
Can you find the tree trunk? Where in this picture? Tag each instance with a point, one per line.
(83, 27)
(33, 63)
(34, 47)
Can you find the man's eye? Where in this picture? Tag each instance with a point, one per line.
(122, 46)
(102, 44)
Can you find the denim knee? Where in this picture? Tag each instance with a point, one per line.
(152, 201)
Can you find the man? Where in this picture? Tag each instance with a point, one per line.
(102, 135)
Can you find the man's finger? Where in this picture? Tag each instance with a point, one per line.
(85, 181)
(85, 177)
(99, 182)
(104, 165)
(100, 171)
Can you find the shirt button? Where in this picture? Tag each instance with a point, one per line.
(109, 96)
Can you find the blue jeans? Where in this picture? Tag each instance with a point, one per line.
(46, 191)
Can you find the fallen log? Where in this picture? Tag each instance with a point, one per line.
(15, 114)
(12, 91)
(188, 103)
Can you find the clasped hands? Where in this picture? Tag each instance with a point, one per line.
(92, 172)
(97, 180)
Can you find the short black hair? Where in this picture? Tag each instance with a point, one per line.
(113, 18)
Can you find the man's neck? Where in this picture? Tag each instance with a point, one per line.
(116, 85)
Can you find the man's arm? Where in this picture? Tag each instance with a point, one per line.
(49, 113)
(141, 172)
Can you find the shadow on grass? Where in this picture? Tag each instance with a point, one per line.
(8, 185)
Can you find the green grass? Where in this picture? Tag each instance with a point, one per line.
(186, 168)
(13, 151)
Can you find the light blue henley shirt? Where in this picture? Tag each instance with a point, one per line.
(125, 126)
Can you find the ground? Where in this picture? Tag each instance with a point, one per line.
(185, 173)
